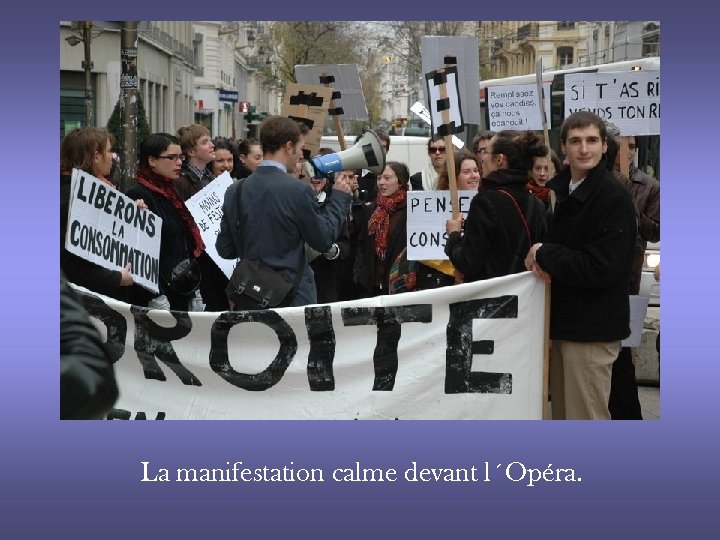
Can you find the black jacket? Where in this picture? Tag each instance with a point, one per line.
(588, 253)
(88, 389)
(173, 247)
(495, 241)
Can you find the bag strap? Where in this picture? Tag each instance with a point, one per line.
(298, 273)
(527, 228)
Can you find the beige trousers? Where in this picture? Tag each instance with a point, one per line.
(580, 375)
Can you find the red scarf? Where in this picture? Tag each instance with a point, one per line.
(163, 186)
(541, 192)
(379, 223)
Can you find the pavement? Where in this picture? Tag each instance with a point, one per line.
(649, 402)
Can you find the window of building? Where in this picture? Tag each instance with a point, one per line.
(651, 40)
(565, 56)
(565, 25)
(72, 110)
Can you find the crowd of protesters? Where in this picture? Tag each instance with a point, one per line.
(574, 224)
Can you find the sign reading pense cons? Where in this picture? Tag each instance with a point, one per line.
(630, 100)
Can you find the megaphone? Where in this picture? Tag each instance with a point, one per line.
(367, 153)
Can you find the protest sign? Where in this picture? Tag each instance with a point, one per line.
(309, 105)
(467, 351)
(427, 212)
(516, 107)
(206, 207)
(346, 82)
(107, 228)
(630, 100)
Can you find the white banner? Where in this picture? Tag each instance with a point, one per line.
(427, 212)
(472, 351)
(629, 100)
(516, 107)
(206, 207)
(107, 228)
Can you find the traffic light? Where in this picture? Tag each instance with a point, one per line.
(250, 116)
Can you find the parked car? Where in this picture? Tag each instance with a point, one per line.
(417, 128)
(648, 286)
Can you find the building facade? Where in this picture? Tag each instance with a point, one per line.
(165, 72)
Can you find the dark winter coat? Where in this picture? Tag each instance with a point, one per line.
(588, 253)
(280, 214)
(495, 241)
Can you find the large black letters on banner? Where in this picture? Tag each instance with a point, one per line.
(460, 346)
(153, 340)
(270, 376)
(388, 321)
(318, 321)
(114, 322)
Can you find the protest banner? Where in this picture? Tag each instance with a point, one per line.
(630, 100)
(107, 228)
(516, 107)
(206, 207)
(472, 351)
(427, 212)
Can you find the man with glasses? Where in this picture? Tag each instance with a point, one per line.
(427, 179)
(480, 143)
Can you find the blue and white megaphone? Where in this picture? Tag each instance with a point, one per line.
(367, 153)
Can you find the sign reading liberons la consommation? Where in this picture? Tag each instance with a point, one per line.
(629, 100)
(206, 207)
(107, 228)
(469, 351)
(427, 212)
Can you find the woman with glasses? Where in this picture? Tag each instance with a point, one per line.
(504, 219)
(160, 162)
(381, 265)
(88, 149)
(427, 179)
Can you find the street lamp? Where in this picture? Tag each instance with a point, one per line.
(87, 66)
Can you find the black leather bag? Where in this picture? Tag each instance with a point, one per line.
(255, 285)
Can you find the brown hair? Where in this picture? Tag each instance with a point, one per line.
(189, 136)
(78, 148)
(276, 131)
(444, 178)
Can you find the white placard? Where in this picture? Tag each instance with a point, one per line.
(206, 207)
(419, 109)
(107, 228)
(276, 364)
(638, 311)
(454, 111)
(427, 212)
(630, 100)
(516, 107)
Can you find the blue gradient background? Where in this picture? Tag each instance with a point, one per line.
(647, 479)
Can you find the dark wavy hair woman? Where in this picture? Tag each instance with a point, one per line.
(504, 220)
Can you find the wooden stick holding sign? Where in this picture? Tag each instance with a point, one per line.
(446, 116)
(541, 102)
(334, 111)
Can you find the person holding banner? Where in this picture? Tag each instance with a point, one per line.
(88, 149)
(196, 173)
(588, 257)
(381, 265)
(504, 219)
(441, 273)
(160, 160)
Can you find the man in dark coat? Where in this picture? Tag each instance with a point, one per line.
(279, 213)
(587, 256)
